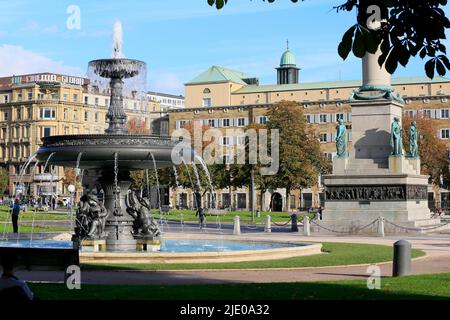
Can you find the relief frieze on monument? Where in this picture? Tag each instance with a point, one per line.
(376, 193)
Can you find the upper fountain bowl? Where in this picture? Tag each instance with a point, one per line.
(117, 68)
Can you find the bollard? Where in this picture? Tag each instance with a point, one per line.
(402, 258)
(268, 225)
(306, 229)
(381, 227)
(294, 226)
(237, 226)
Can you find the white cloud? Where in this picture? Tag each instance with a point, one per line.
(166, 83)
(17, 60)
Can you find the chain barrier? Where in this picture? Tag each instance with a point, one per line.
(328, 229)
(416, 229)
(281, 224)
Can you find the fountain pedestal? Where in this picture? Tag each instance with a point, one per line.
(119, 224)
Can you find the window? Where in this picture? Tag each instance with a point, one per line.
(65, 114)
(409, 113)
(323, 118)
(5, 98)
(445, 113)
(75, 97)
(445, 133)
(226, 141)
(65, 96)
(30, 96)
(241, 200)
(19, 97)
(48, 113)
(47, 131)
(426, 113)
(212, 123)
(107, 102)
(324, 137)
(40, 96)
(206, 102)
(226, 122)
(96, 117)
(54, 96)
(6, 116)
(339, 116)
(29, 115)
(328, 156)
(241, 122)
(19, 114)
(86, 100)
(240, 140)
(180, 123)
(17, 153)
(86, 116)
(96, 101)
(75, 115)
(206, 90)
(262, 120)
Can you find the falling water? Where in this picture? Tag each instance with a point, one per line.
(34, 211)
(25, 167)
(192, 184)
(117, 41)
(208, 177)
(161, 220)
(197, 177)
(176, 176)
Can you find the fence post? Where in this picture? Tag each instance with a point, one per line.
(381, 226)
(268, 225)
(306, 228)
(402, 258)
(237, 226)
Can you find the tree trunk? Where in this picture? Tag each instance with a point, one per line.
(288, 200)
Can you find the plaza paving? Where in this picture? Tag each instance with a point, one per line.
(437, 260)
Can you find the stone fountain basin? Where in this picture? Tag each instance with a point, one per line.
(117, 68)
(134, 151)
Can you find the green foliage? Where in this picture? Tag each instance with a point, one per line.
(408, 28)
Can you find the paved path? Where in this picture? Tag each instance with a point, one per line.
(436, 261)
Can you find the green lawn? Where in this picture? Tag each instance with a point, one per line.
(26, 228)
(246, 216)
(336, 254)
(28, 216)
(434, 286)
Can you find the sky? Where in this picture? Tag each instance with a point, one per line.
(178, 39)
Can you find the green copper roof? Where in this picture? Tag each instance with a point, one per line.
(287, 59)
(219, 74)
(333, 84)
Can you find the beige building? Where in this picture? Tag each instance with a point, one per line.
(38, 105)
(224, 99)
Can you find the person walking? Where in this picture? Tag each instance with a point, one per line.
(201, 216)
(15, 215)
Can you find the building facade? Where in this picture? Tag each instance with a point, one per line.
(33, 106)
(226, 99)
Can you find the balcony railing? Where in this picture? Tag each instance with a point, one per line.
(45, 177)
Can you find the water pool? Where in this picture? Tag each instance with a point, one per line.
(167, 245)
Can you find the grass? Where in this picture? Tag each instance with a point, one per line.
(246, 216)
(28, 216)
(26, 228)
(434, 286)
(336, 254)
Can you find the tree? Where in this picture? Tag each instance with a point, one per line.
(434, 160)
(407, 29)
(300, 159)
(137, 126)
(4, 180)
(70, 177)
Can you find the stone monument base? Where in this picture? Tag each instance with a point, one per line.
(96, 244)
(148, 244)
(354, 201)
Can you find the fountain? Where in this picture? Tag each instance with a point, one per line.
(120, 222)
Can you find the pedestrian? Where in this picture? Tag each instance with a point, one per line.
(319, 211)
(15, 216)
(11, 287)
(53, 203)
(201, 216)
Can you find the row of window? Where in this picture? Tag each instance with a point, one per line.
(330, 137)
(217, 123)
(429, 113)
(328, 117)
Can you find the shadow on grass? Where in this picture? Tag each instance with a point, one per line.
(409, 288)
